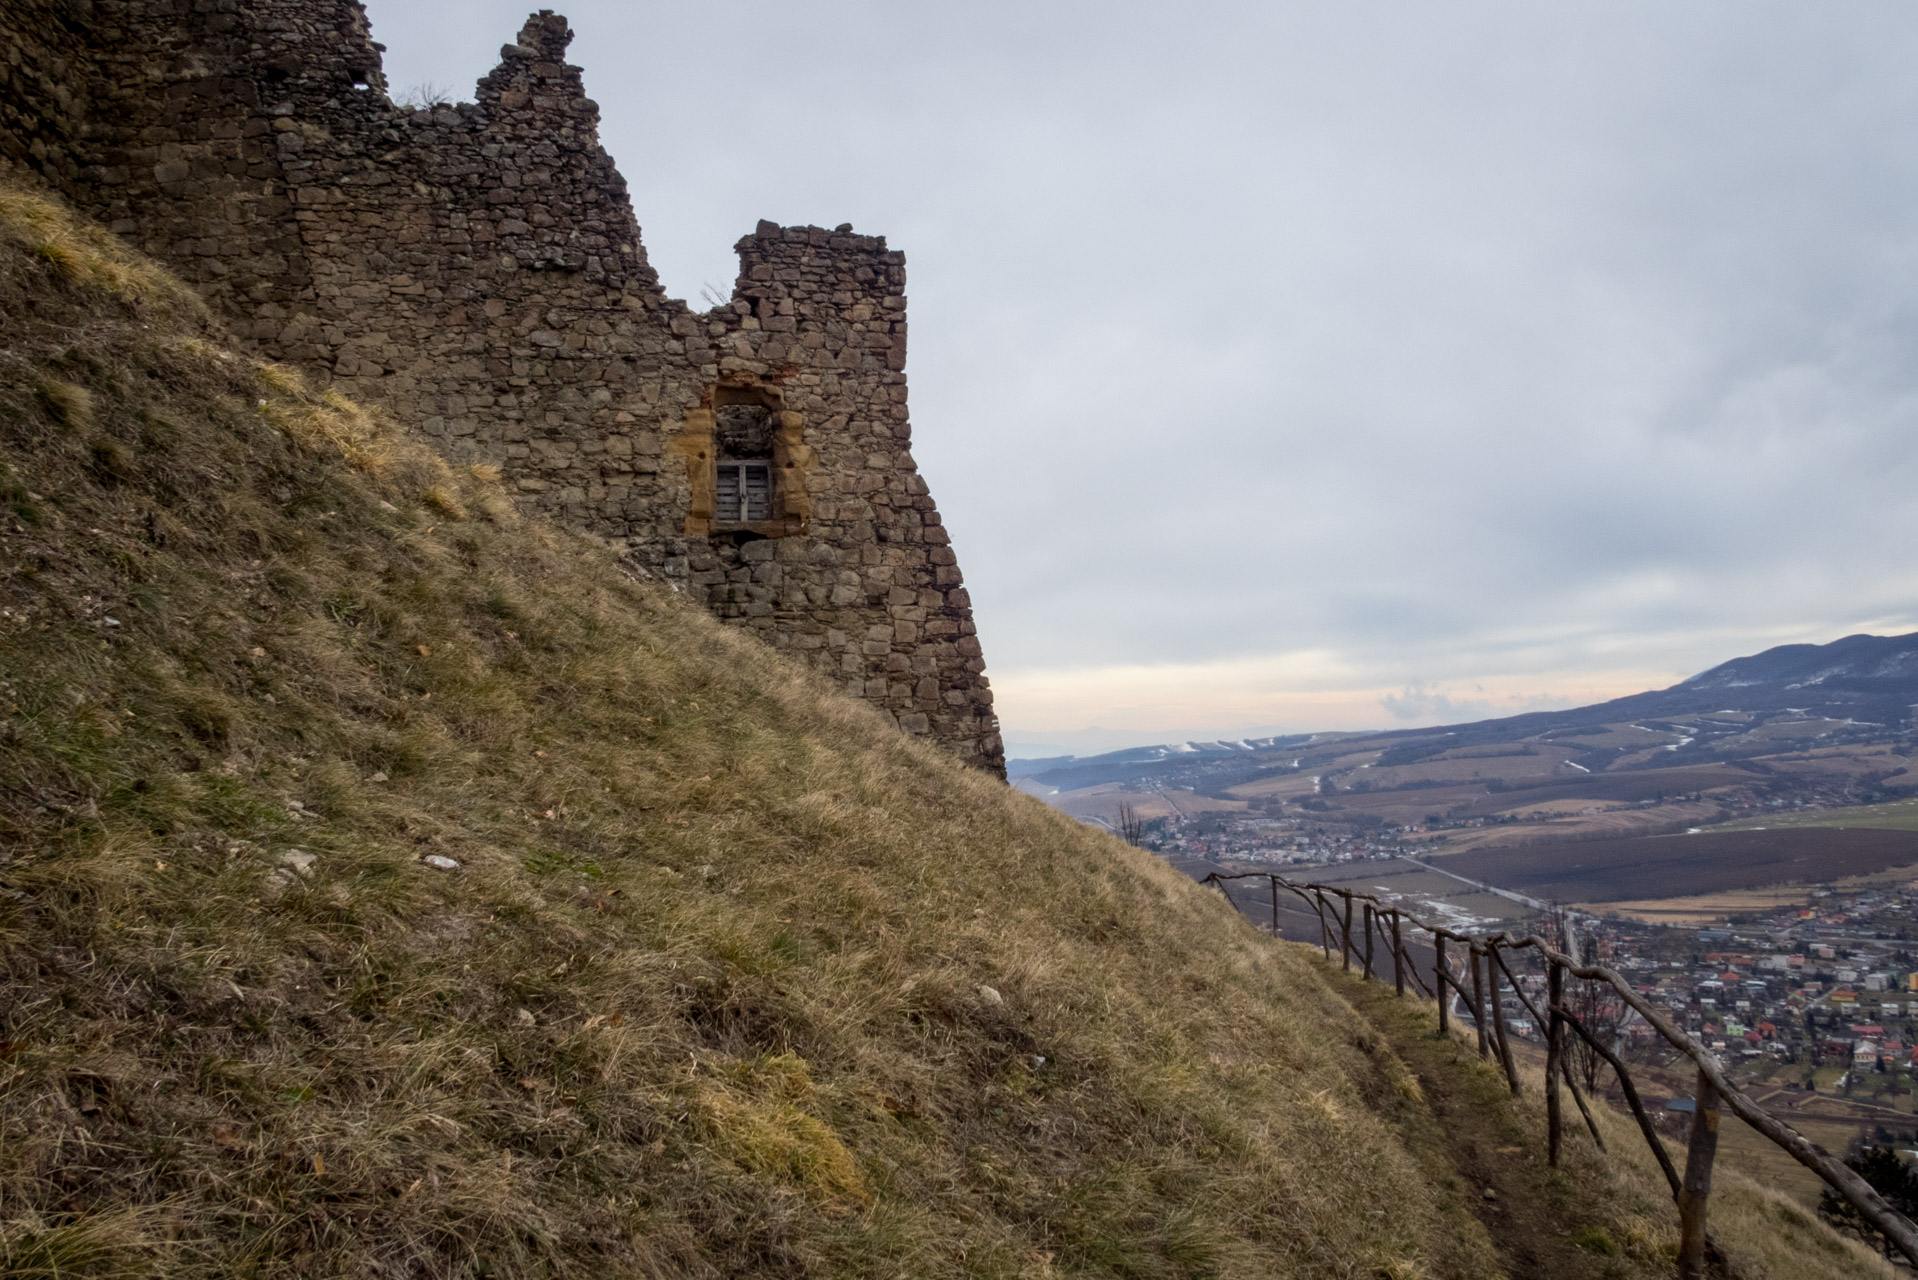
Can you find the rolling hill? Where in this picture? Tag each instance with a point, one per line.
(1861, 682)
(1793, 727)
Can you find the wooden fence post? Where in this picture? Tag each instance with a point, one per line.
(1368, 942)
(1554, 1122)
(1275, 906)
(1398, 957)
(1693, 1190)
(1478, 1004)
(1699, 1154)
(1345, 931)
(1498, 1017)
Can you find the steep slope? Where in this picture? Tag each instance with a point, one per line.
(729, 979)
(391, 887)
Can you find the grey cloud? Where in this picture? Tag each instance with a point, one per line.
(1433, 337)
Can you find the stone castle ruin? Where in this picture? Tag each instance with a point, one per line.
(477, 269)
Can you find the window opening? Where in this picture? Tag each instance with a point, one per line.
(745, 492)
(743, 430)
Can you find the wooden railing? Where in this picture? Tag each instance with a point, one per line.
(1486, 959)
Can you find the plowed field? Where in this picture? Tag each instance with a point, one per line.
(1648, 867)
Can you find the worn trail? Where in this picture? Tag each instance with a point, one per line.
(1544, 1222)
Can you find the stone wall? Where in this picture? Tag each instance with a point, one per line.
(478, 269)
(873, 590)
(44, 67)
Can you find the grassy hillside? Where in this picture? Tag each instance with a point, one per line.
(390, 887)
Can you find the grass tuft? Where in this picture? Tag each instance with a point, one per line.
(86, 257)
(1594, 1239)
(122, 1245)
(774, 1139)
(67, 403)
(443, 500)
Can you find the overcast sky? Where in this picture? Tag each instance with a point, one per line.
(1285, 366)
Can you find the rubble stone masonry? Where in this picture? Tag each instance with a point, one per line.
(478, 270)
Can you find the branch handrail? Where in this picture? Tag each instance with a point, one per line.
(1899, 1230)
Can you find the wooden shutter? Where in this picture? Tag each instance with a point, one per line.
(726, 498)
(756, 486)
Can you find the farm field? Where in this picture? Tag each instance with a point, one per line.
(1898, 815)
(1611, 821)
(1101, 804)
(1706, 908)
(1428, 894)
(1761, 1159)
(1630, 785)
(1304, 780)
(1710, 908)
(1413, 886)
(1534, 763)
(1686, 866)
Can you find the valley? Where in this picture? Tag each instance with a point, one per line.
(1761, 773)
(1752, 867)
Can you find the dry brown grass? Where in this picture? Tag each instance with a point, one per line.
(730, 979)
(87, 257)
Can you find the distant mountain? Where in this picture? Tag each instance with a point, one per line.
(1866, 682)
(1140, 762)
(1880, 665)
(1868, 679)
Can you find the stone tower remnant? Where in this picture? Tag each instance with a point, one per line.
(478, 270)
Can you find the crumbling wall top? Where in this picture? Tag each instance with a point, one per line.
(545, 36)
(533, 74)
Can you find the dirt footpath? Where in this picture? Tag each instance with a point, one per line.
(1548, 1224)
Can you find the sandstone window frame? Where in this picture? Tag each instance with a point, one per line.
(788, 460)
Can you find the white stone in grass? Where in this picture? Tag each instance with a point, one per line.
(524, 1017)
(441, 862)
(991, 995)
(290, 867)
(378, 777)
